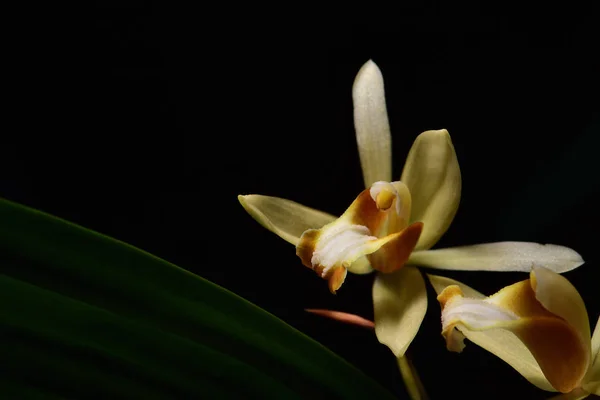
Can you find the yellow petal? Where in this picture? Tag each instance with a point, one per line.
(592, 387)
(500, 256)
(593, 375)
(361, 266)
(285, 218)
(393, 251)
(576, 394)
(432, 175)
(596, 343)
(556, 343)
(560, 297)
(400, 303)
(371, 125)
(503, 344)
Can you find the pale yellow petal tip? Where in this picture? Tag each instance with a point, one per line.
(369, 70)
(370, 66)
(435, 134)
(243, 200)
(569, 258)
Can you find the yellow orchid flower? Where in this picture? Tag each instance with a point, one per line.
(539, 326)
(391, 225)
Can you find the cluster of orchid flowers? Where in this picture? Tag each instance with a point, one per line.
(539, 326)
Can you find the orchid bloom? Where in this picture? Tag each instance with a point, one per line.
(539, 326)
(391, 225)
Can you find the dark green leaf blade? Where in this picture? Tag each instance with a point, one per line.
(143, 295)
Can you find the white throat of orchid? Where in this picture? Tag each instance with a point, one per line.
(341, 246)
(476, 314)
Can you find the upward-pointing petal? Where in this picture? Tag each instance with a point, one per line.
(432, 175)
(286, 218)
(371, 125)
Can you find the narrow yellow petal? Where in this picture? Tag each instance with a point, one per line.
(503, 344)
(432, 175)
(400, 303)
(592, 378)
(596, 344)
(285, 218)
(371, 125)
(499, 256)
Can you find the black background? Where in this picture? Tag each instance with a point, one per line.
(145, 122)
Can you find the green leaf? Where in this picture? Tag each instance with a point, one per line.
(83, 315)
